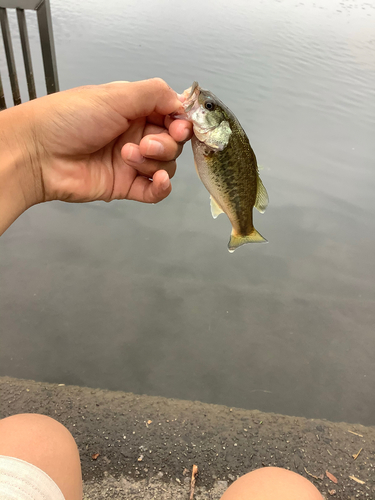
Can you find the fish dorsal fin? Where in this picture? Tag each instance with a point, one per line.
(261, 201)
(215, 209)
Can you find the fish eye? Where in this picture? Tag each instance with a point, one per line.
(209, 105)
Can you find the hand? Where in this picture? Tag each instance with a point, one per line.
(106, 142)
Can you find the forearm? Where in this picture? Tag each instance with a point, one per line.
(19, 185)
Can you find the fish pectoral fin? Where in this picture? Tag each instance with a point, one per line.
(261, 200)
(216, 210)
(236, 240)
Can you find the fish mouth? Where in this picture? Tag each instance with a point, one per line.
(191, 95)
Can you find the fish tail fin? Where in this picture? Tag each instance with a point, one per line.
(236, 240)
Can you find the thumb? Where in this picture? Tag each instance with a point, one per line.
(139, 99)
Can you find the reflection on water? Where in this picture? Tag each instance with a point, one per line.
(147, 298)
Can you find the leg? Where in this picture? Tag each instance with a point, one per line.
(271, 483)
(47, 444)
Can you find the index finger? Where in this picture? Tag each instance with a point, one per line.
(139, 99)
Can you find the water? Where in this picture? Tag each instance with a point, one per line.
(147, 298)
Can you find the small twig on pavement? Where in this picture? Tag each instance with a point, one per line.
(356, 455)
(356, 434)
(312, 475)
(194, 472)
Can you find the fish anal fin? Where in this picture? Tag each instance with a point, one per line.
(237, 240)
(216, 210)
(261, 200)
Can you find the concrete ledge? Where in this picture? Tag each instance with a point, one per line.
(147, 445)
(150, 489)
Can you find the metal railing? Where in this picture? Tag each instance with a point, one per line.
(43, 10)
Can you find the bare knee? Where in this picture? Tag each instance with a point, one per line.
(271, 483)
(45, 443)
(34, 422)
(33, 429)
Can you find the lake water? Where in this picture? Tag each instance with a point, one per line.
(147, 298)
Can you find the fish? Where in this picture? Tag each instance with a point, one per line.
(225, 163)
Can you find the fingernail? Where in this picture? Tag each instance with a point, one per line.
(165, 184)
(186, 133)
(154, 148)
(133, 154)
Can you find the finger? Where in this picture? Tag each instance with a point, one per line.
(133, 134)
(150, 191)
(160, 147)
(154, 129)
(180, 130)
(137, 99)
(156, 119)
(132, 156)
(146, 166)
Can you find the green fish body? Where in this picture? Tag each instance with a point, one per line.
(226, 164)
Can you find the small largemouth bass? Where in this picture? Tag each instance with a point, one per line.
(226, 164)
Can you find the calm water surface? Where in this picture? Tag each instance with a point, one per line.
(147, 298)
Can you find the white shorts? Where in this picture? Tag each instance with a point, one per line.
(20, 480)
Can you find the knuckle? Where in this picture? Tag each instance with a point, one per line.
(160, 83)
(86, 89)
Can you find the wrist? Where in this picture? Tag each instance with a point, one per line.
(20, 178)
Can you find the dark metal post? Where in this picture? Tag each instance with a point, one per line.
(10, 56)
(48, 46)
(2, 98)
(26, 53)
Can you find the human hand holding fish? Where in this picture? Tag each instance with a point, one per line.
(98, 142)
